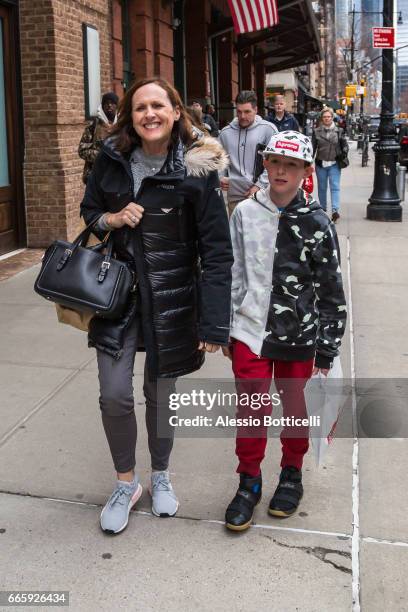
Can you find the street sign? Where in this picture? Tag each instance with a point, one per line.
(361, 90)
(351, 91)
(383, 38)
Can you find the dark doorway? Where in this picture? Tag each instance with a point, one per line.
(12, 227)
(179, 47)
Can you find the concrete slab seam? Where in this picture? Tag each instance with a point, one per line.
(388, 542)
(41, 402)
(35, 364)
(343, 536)
(336, 534)
(355, 541)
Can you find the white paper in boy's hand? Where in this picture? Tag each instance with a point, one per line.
(324, 398)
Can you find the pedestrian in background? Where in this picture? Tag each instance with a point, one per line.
(155, 186)
(196, 117)
(331, 150)
(242, 139)
(280, 117)
(207, 119)
(210, 110)
(96, 132)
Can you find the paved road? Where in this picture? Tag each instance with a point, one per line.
(349, 538)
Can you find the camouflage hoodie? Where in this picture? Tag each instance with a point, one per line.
(287, 293)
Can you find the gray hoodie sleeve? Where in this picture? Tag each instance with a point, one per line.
(263, 181)
(224, 172)
(238, 267)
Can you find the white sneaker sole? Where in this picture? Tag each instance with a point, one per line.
(136, 496)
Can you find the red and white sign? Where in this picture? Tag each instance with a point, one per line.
(284, 144)
(383, 38)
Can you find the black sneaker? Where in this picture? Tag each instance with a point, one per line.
(335, 216)
(289, 492)
(238, 515)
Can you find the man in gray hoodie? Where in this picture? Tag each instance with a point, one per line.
(242, 139)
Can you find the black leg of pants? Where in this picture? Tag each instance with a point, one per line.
(117, 406)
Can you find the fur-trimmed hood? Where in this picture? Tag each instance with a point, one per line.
(199, 159)
(204, 156)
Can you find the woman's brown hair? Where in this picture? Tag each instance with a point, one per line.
(124, 134)
(196, 118)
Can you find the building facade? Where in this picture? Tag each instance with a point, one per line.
(58, 56)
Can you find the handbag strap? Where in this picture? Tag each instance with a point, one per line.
(79, 241)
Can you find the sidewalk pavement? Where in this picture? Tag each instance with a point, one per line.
(350, 536)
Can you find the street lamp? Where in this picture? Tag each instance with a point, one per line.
(384, 202)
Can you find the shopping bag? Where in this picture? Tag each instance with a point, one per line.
(308, 184)
(324, 396)
(75, 318)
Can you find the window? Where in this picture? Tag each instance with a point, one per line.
(92, 70)
(4, 168)
(127, 73)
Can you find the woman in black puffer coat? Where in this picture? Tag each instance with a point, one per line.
(155, 185)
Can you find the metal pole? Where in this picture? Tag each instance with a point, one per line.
(384, 202)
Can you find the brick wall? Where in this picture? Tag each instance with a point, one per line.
(151, 39)
(54, 108)
(117, 48)
(198, 18)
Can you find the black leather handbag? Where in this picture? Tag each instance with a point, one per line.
(85, 279)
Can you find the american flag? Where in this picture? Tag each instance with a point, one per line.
(253, 15)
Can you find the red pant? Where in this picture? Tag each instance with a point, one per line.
(253, 375)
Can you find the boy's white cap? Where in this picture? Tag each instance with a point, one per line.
(290, 144)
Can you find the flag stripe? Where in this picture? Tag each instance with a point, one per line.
(236, 16)
(253, 15)
(275, 16)
(261, 9)
(241, 13)
(245, 10)
(269, 8)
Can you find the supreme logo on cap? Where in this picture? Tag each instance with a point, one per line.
(285, 144)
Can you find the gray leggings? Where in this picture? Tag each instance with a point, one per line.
(117, 405)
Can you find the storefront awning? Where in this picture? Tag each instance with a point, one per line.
(295, 41)
(334, 104)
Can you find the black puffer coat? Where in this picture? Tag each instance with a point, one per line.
(182, 257)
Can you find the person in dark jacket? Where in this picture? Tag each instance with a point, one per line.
(331, 148)
(208, 120)
(288, 317)
(155, 185)
(96, 131)
(280, 117)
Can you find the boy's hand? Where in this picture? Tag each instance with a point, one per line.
(226, 351)
(322, 370)
(253, 189)
(224, 182)
(208, 347)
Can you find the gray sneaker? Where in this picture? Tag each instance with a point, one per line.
(164, 500)
(115, 514)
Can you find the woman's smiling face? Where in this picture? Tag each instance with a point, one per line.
(153, 115)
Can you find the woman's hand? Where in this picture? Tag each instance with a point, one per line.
(208, 348)
(226, 351)
(130, 215)
(322, 370)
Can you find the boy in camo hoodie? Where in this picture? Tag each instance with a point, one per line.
(288, 316)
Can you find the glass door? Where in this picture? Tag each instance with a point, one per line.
(11, 200)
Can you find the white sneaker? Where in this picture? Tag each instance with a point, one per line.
(115, 514)
(164, 500)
